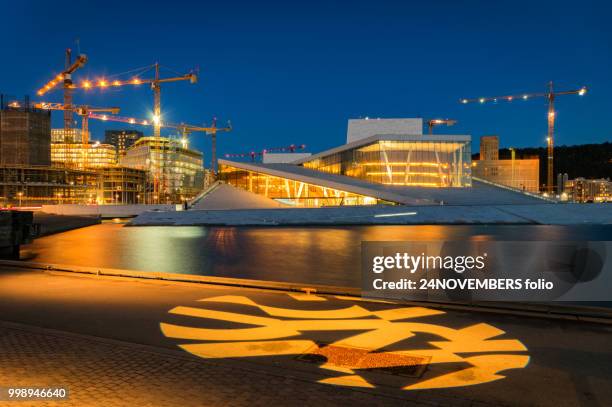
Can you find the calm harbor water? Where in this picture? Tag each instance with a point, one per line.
(315, 255)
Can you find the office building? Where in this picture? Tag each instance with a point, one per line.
(176, 172)
(122, 139)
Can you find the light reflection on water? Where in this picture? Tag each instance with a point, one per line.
(315, 255)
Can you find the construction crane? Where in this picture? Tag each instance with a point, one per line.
(550, 95)
(83, 111)
(69, 68)
(253, 154)
(155, 85)
(437, 122)
(185, 129)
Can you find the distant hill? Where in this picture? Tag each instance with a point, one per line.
(586, 160)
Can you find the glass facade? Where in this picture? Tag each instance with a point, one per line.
(288, 191)
(177, 173)
(77, 155)
(422, 162)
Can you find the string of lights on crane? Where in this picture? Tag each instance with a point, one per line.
(525, 96)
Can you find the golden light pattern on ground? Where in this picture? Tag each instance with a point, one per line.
(479, 356)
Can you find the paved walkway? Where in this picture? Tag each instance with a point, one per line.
(107, 373)
(124, 342)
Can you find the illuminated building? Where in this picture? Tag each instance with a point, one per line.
(122, 139)
(176, 171)
(407, 160)
(69, 136)
(46, 185)
(521, 174)
(589, 190)
(386, 161)
(489, 148)
(122, 185)
(76, 155)
(288, 187)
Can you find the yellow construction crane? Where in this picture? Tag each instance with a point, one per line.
(69, 68)
(185, 129)
(437, 122)
(85, 112)
(155, 85)
(550, 95)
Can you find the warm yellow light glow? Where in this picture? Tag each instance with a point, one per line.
(427, 174)
(412, 164)
(102, 83)
(132, 121)
(156, 119)
(136, 81)
(116, 83)
(413, 184)
(582, 91)
(87, 84)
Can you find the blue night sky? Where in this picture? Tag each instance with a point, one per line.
(294, 72)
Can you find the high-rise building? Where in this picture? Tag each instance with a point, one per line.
(25, 136)
(489, 148)
(121, 139)
(176, 171)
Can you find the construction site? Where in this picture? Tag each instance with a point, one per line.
(384, 161)
(44, 165)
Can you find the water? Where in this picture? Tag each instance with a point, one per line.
(314, 255)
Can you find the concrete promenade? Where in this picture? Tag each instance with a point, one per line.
(535, 214)
(116, 341)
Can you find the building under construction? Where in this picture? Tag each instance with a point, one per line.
(175, 171)
(24, 134)
(83, 156)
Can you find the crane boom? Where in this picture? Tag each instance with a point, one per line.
(155, 85)
(182, 127)
(550, 95)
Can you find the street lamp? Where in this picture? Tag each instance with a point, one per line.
(19, 195)
(513, 152)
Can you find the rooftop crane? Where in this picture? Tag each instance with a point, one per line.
(291, 148)
(69, 68)
(436, 122)
(155, 85)
(83, 111)
(185, 129)
(550, 95)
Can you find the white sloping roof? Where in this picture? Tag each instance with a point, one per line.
(479, 194)
(228, 197)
